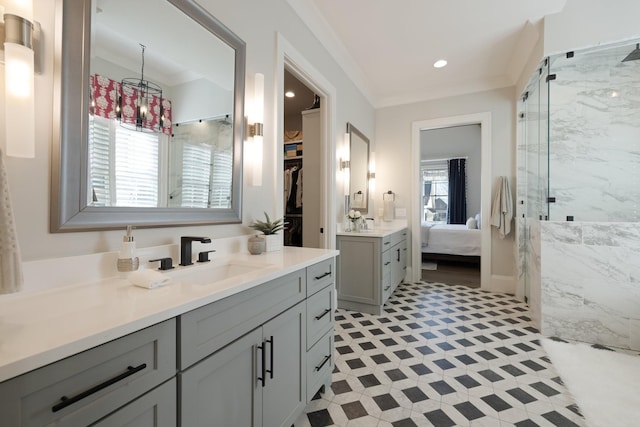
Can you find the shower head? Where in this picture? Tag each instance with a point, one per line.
(634, 55)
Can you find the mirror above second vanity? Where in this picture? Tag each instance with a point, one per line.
(359, 169)
(151, 114)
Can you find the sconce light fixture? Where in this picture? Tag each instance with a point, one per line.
(255, 131)
(345, 163)
(19, 82)
(372, 172)
(145, 95)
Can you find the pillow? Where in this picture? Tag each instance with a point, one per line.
(478, 221)
(471, 223)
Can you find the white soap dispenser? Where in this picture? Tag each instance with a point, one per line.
(127, 259)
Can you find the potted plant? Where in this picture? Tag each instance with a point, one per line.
(270, 229)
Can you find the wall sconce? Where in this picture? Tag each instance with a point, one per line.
(18, 43)
(255, 130)
(345, 163)
(372, 173)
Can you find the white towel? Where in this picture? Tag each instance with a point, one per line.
(10, 265)
(502, 209)
(149, 279)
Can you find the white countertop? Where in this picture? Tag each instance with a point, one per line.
(382, 230)
(39, 328)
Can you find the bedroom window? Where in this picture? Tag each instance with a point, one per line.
(435, 191)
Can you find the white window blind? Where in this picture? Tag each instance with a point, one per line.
(196, 173)
(124, 165)
(435, 179)
(100, 161)
(221, 180)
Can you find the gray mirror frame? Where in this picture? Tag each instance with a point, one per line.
(352, 130)
(69, 210)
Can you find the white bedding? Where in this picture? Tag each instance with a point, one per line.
(450, 239)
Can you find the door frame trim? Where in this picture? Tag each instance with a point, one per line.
(484, 120)
(290, 58)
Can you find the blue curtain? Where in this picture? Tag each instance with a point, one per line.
(457, 209)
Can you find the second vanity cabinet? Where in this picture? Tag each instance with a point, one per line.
(370, 267)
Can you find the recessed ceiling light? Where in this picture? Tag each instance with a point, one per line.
(289, 94)
(440, 63)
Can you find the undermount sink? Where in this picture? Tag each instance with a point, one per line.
(213, 272)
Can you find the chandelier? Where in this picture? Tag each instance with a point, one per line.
(140, 103)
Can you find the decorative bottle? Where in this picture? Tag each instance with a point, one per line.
(127, 259)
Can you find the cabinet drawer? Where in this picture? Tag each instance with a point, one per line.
(319, 364)
(320, 275)
(398, 237)
(386, 243)
(158, 408)
(209, 328)
(319, 314)
(84, 388)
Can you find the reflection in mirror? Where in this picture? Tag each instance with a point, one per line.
(359, 169)
(161, 139)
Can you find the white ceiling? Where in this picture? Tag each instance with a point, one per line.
(389, 47)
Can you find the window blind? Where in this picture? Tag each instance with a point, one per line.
(123, 165)
(196, 173)
(221, 180)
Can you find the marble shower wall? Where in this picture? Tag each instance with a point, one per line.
(594, 136)
(589, 281)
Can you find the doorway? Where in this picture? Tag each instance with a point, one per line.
(417, 207)
(292, 61)
(450, 190)
(301, 164)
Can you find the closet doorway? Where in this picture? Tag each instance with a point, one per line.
(417, 188)
(301, 168)
(319, 159)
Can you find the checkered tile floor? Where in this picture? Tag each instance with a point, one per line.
(441, 355)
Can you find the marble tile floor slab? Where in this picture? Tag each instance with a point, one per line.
(441, 355)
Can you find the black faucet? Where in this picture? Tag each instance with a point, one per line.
(185, 248)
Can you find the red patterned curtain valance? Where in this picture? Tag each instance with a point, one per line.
(104, 96)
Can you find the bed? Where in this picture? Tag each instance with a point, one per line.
(450, 239)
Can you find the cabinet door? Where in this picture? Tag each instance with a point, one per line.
(359, 270)
(284, 393)
(224, 389)
(155, 409)
(388, 270)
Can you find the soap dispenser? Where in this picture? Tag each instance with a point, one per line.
(127, 259)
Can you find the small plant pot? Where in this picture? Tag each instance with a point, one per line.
(273, 242)
(256, 244)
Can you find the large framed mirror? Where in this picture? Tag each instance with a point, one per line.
(149, 118)
(359, 169)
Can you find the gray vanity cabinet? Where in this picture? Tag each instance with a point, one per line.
(250, 359)
(83, 389)
(369, 269)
